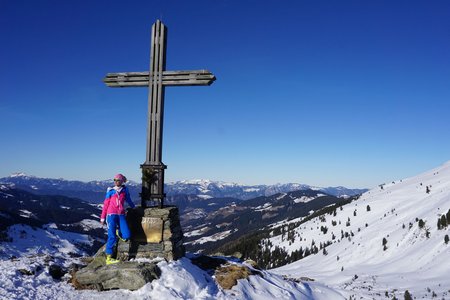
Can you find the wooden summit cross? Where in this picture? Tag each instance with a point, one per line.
(156, 80)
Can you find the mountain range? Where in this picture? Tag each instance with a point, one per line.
(207, 224)
(222, 210)
(93, 191)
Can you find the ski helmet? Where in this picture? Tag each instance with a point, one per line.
(120, 177)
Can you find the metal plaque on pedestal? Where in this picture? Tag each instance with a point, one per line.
(153, 229)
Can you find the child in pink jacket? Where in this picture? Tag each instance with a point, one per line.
(114, 213)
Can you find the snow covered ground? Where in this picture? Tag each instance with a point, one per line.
(28, 241)
(416, 258)
(357, 264)
(24, 274)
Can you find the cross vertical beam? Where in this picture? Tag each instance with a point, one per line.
(156, 80)
(153, 168)
(156, 96)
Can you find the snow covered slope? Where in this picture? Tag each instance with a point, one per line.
(27, 253)
(385, 243)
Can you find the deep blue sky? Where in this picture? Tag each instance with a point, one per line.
(352, 93)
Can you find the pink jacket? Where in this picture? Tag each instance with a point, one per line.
(114, 203)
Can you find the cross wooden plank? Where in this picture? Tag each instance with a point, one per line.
(169, 78)
(156, 80)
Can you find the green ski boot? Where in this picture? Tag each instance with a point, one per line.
(110, 260)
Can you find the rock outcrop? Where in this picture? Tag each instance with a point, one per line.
(226, 273)
(128, 275)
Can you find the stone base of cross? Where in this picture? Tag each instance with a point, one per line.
(156, 80)
(155, 232)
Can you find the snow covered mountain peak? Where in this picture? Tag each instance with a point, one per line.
(205, 182)
(21, 174)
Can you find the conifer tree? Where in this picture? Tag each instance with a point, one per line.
(421, 223)
(307, 252)
(408, 295)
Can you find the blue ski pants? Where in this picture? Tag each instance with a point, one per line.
(116, 222)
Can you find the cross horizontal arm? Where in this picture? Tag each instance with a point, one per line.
(169, 78)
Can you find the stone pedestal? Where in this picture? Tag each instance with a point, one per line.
(155, 232)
